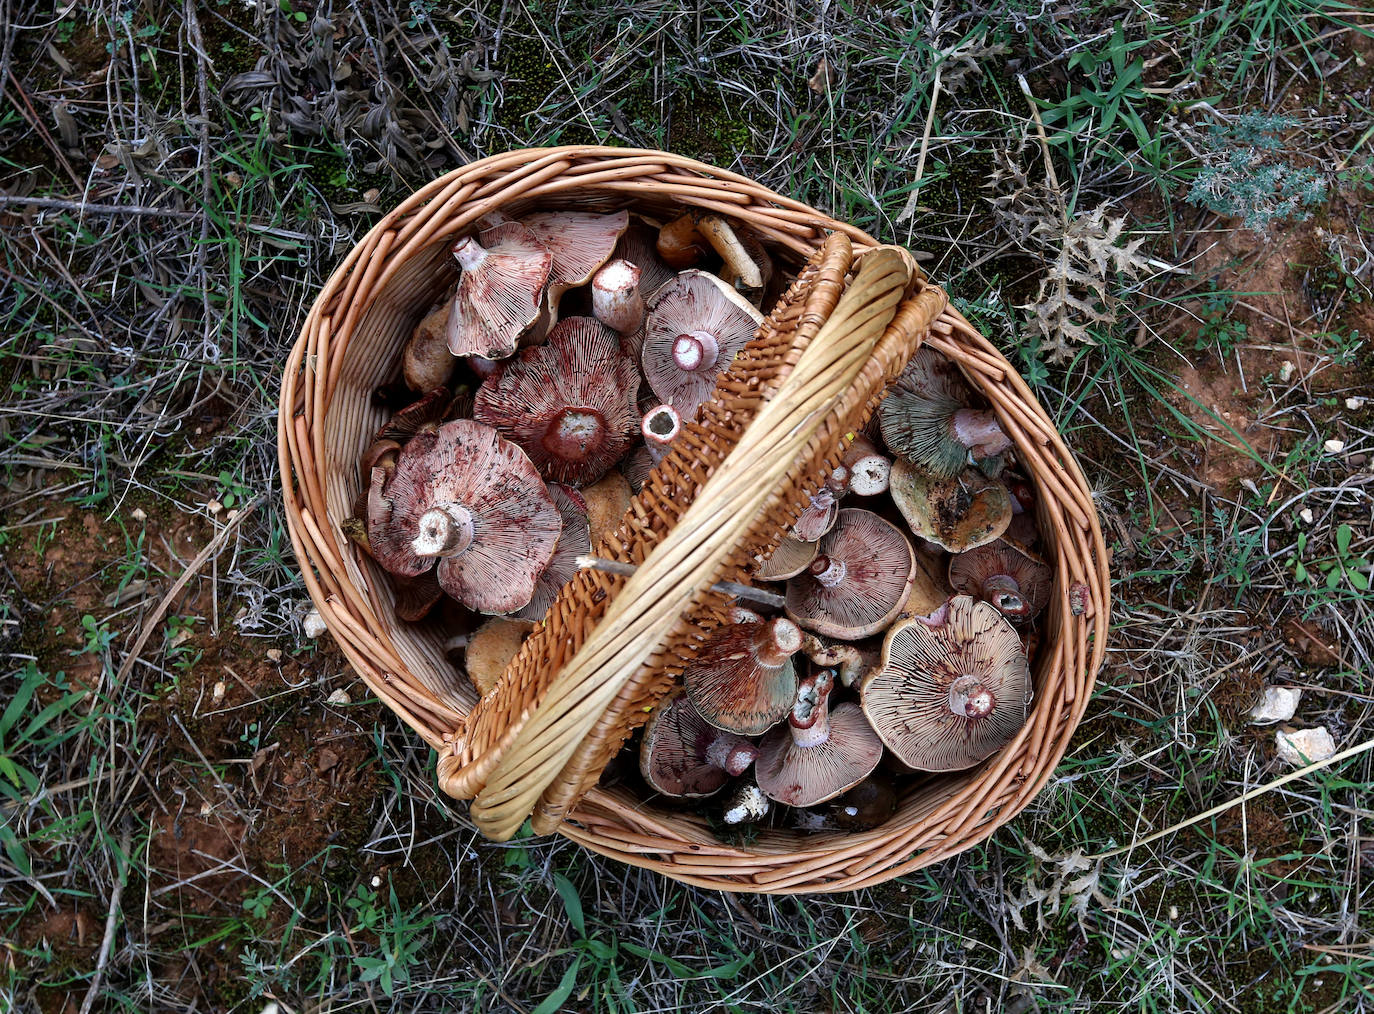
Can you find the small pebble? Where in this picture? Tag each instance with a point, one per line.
(217, 691)
(314, 624)
(372, 196)
(274, 655)
(1278, 704)
(339, 697)
(214, 506)
(1305, 746)
(376, 881)
(1286, 371)
(206, 809)
(1355, 404)
(1334, 446)
(1306, 515)
(1173, 912)
(139, 514)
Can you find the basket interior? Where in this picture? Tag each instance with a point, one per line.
(370, 356)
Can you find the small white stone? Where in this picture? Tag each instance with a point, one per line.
(376, 881)
(1306, 515)
(1334, 446)
(339, 697)
(1286, 371)
(217, 691)
(1306, 746)
(138, 514)
(1277, 704)
(214, 506)
(314, 624)
(1355, 404)
(274, 654)
(1173, 913)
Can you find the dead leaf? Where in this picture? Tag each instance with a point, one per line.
(823, 80)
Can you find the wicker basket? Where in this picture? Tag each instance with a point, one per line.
(611, 646)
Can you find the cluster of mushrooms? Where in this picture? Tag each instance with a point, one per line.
(543, 391)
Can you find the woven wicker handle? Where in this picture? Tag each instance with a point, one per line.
(686, 563)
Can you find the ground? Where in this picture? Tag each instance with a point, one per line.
(1170, 238)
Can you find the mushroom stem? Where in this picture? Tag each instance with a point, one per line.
(616, 301)
(969, 698)
(722, 237)
(838, 482)
(445, 530)
(1005, 595)
(851, 664)
(828, 570)
(778, 641)
(695, 352)
(732, 754)
(869, 471)
(810, 718)
(980, 432)
(469, 252)
(660, 427)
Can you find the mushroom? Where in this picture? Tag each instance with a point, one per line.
(820, 752)
(426, 362)
(424, 413)
(573, 541)
(694, 329)
(500, 293)
(790, 558)
(818, 516)
(660, 427)
(957, 514)
(637, 247)
(569, 404)
(746, 805)
(1015, 581)
(741, 269)
(681, 755)
(851, 664)
(579, 242)
(951, 691)
(465, 498)
(862, 808)
(939, 433)
(607, 501)
(491, 648)
(616, 301)
(860, 579)
(742, 679)
(680, 244)
(869, 470)
(637, 466)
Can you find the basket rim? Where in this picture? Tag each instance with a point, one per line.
(459, 197)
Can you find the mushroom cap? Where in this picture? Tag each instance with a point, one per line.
(637, 246)
(673, 754)
(500, 296)
(1016, 583)
(743, 679)
(920, 429)
(878, 566)
(636, 467)
(491, 648)
(931, 374)
(515, 525)
(957, 514)
(425, 412)
(579, 241)
(416, 596)
(695, 303)
(607, 501)
(974, 659)
(573, 541)
(804, 775)
(426, 362)
(790, 558)
(818, 517)
(569, 404)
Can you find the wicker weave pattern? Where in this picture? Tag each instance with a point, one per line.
(354, 333)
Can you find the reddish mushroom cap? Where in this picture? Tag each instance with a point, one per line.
(579, 241)
(858, 582)
(681, 755)
(573, 541)
(500, 293)
(1016, 583)
(426, 362)
(790, 558)
(569, 404)
(473, 501)
(820, 752)
(743, 679)
(957, 514)
(818, 517)
(638, 247)
(695, 327)
(952, 691)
